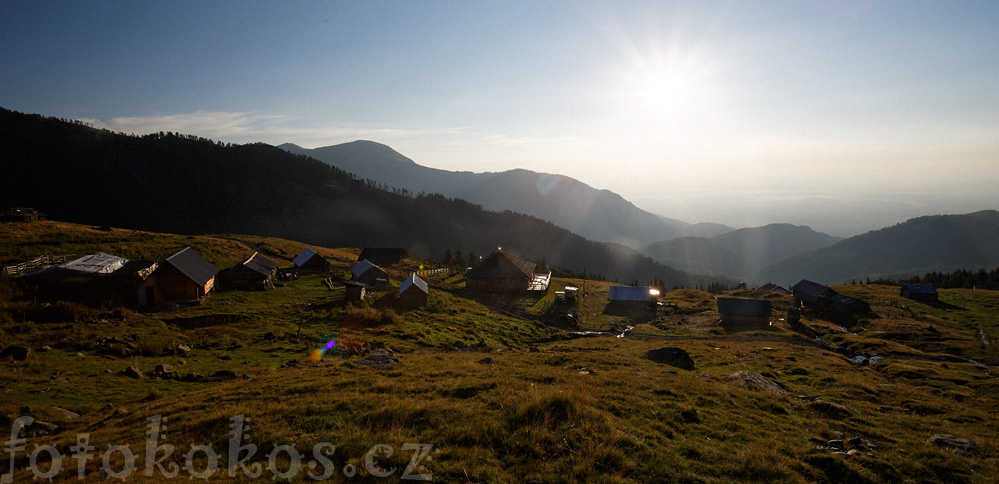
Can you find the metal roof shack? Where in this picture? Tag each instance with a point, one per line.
(633, 293)
(99, 263)
(414, 291)
(919, 292)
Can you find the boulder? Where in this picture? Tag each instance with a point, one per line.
(487, 361)
(16, 353)
(755, 382)
(225, 375)
(828, 409)
(183, 349)
(671, 356)
(163, 370)
(65, 414)
(960, 445)
(133, 372)
(379, 359)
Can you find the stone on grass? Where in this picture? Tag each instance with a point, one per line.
(378, 359)
(960, 445)
(756, 382)
(671, 356)
(133, 372)
(16, 353)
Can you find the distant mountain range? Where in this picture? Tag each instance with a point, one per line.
(189, 185)
(938, 243)
(740, 253)
(599, 215)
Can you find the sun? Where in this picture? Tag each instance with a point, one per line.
(665, 95)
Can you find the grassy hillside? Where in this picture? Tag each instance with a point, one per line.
(497, 387)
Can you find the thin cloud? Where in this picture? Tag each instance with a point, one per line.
(252, 127)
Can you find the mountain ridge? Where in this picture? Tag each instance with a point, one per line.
(190, 185)
(596, 214)
(930, 243)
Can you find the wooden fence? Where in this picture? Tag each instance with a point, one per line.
(37, 262)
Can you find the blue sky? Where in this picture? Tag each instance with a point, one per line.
(845, 116)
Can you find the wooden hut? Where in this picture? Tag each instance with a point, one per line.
(355, 290)
(501, 272)
(370, 274)
(255, 273)
(751, 312)
(309, 262)
(182, 277)
(812, 293)
(413, 292)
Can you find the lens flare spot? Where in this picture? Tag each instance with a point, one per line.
(546, 183)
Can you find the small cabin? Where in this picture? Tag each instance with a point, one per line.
(812, 293)
(370, 274)
(255, 273)
(633, 294)
(310, 262)
(413, 292)
(183, 277)
(737, 311)
(356, 291)
(919, 292)
(502, 272)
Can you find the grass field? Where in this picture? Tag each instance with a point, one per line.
(496, 388)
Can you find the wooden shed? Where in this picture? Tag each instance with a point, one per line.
(182, 277)
(255, 273)
(355, 290)
(813, 293)
(370, 274)
(501, 272)
(737, 311)
(309, 262)
(413, 292)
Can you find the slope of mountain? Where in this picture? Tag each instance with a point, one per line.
(925, 244)
(595, 214)
(741, 252)
(187, 185)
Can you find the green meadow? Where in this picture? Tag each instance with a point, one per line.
(493, 388)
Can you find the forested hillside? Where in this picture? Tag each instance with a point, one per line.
(184, 184)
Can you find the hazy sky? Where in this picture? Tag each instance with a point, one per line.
(843, 115)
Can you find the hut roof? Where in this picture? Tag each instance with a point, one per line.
(502, 265)
(920, 289)
(304, 257)
(362, 267)
(193, 266)
(414, 281)
(260, 264)
(99, 263)
(812, 289)
(630, 293)
(743, 307)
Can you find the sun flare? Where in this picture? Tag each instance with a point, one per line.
(665, 96)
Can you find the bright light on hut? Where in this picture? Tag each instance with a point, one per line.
(653, 292)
